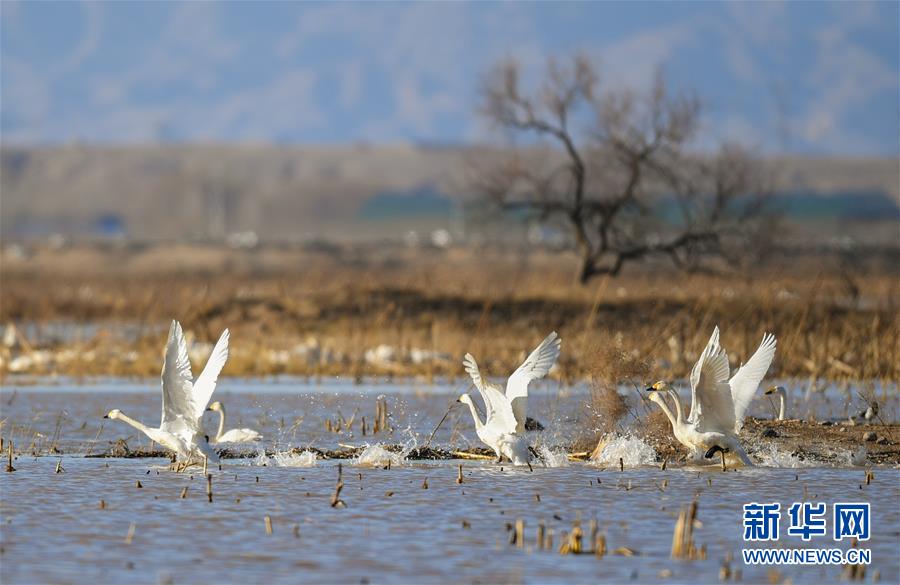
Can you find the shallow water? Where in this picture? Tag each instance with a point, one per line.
(55, 531)
(52, 528)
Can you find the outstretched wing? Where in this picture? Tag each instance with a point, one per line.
(535, 366)
(471, 367)
(205, 384)
(712, 347)
(711, 406)
(746, 380)
(500, 413)
(176, 382)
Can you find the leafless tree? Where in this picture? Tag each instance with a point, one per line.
(618, 168)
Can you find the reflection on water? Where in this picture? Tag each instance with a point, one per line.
(55, 530)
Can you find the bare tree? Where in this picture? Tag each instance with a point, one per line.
(617, 168)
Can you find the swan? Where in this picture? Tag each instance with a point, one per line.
(535, 366)
(718, 403)
(781, 392)
(234, 435)
(183, 400)
(499, 430)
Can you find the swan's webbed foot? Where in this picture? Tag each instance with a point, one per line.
(715, 449)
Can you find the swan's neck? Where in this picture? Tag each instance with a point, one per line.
(671, 417)
(781, 401)
(678, 414)
(478, 423)
(136, 424)
(221, 423)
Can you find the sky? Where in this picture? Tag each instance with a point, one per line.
(798, 77)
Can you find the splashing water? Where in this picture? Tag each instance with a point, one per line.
(292, 459)
(633, 451)
(377, 456)
(551, 458)
(285, 459)
(771, 456)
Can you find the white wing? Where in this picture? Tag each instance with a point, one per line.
(205, 384)
(471, 367)
(500, 418)
(711, 405)
(535, 366)
(176, 383)
(712, 347)
(746, 380)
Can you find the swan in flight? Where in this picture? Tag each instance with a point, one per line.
(234, 435)
(184, 400)
(718, 403)
(781, 392)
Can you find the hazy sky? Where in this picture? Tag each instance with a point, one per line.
(408, 72)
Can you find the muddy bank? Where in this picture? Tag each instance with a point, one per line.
(826, 442)
(790, 441)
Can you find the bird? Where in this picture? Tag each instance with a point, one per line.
(184, 400)
(781, 392)
(234, 435)
(718, 403)
(535, 366)
(498, 431)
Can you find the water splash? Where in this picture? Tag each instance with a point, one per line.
(551, 458)
(261, 459)
(285, 459)
(377, 456)
(632, 450)
(293, 459)
(770, 455)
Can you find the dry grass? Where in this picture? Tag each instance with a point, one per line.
(318, 312)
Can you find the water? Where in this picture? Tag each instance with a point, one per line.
(392, 530)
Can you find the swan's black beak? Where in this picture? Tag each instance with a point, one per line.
(650, 389)
(208, 409)
(206, 437)
(458, 401)
(713, 450)
(105, 416)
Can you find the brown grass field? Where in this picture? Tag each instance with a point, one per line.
(317, 311)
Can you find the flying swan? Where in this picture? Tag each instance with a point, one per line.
(183, 400)
(717, 403)
(505, 414)
(234, 435)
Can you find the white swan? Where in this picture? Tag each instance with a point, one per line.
(498, 431)
(781, 392)
(535, 366)
(183, 400)
(717, 403)
(234, 435)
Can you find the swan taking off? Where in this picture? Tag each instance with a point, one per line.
(234, 435)
(781, 392)
(184, 400)
(505, 419)
(718, 403)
